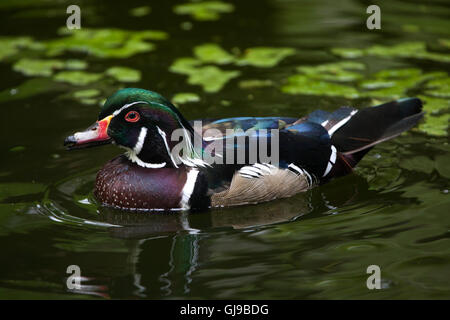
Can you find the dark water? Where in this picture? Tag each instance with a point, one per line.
(392, 212)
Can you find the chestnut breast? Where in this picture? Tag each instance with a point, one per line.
(123, 184)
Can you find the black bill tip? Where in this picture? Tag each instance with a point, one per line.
(71, 143)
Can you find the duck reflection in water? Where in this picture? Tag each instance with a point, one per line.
(174, 245)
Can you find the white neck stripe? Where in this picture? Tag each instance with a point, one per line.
(134, 158)
(115, 113)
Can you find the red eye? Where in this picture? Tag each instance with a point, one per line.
(132, 116)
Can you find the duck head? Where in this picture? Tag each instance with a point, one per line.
(142, 122)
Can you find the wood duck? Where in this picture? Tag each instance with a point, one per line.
(152, 175)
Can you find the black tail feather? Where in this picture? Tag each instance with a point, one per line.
(371, 126)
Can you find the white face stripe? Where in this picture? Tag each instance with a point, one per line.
(133, 154)
(341, 123)
(140, 143)
(163, 136)
(115, 113)
(188, 188)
